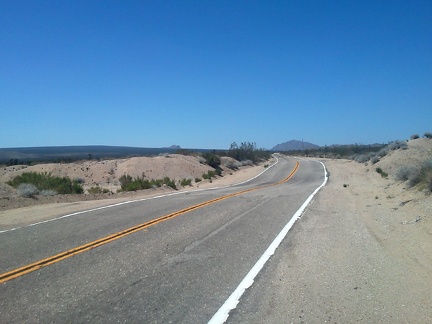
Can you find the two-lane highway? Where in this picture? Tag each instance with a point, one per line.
(180, 259)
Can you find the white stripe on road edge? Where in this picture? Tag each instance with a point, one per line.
(137, 200)
(231, 303)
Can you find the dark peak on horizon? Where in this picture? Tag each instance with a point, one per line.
(174, 147)
(294, 145)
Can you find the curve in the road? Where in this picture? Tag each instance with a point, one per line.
(222, 314)
(104, 240)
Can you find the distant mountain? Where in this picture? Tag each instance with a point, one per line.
(294, 145)
(72, 153)
(175, 147)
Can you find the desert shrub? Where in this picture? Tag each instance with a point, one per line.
(246, 162)
(48, 192)
(427, 135)
(133, 184)
(414, 136)
(97, 190)
(382, 152)
(397, 145)
(27, 190)
(198, 179)
(426, 174)
(186, 182)
(212, 160)
(170, 183)
(210, 174)
(374, 159)
(362, 158)
(232, 165)
(201, 160)
(248, 151)
(405, 172)
(156, 183)
(45, 181)
(382, 173)
(421, 176)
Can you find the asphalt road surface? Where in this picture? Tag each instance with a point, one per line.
(175, 270)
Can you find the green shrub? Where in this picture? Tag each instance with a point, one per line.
(133, 184)
(212, 160)
(186, 182)
(170, 183)
(97, 190)
(428, 135)
(248, 151)
(382, 173)
(210, 174)
(45, 181)
(414, 136)
(198, 179)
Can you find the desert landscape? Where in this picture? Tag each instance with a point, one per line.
(387, 214)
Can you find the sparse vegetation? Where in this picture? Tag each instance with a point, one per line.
(414, 136)
(133, 184)
(248, 151)
(45, 181)
(210, 174)
(428, 135)
(381, 172)
(421, 176)
(186, 182)
(212, 160)
(97, 190)
(27, 190)
(48, 192)
(405, 173)
(374, 159)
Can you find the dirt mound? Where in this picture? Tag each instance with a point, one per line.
(106, 174)
(417, 151)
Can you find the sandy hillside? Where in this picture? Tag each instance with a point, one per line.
(105, 174)
(417, 151)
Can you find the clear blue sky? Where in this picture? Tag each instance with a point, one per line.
(203, 74)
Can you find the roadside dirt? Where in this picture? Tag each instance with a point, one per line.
(360, 254)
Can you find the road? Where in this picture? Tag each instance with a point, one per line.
(178, 270)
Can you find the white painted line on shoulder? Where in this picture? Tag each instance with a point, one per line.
(231, 303)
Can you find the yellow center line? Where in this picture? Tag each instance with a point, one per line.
(104, 240)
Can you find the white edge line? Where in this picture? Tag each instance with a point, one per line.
(231, 303)
(137, 200)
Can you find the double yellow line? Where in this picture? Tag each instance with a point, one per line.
(104, 240)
